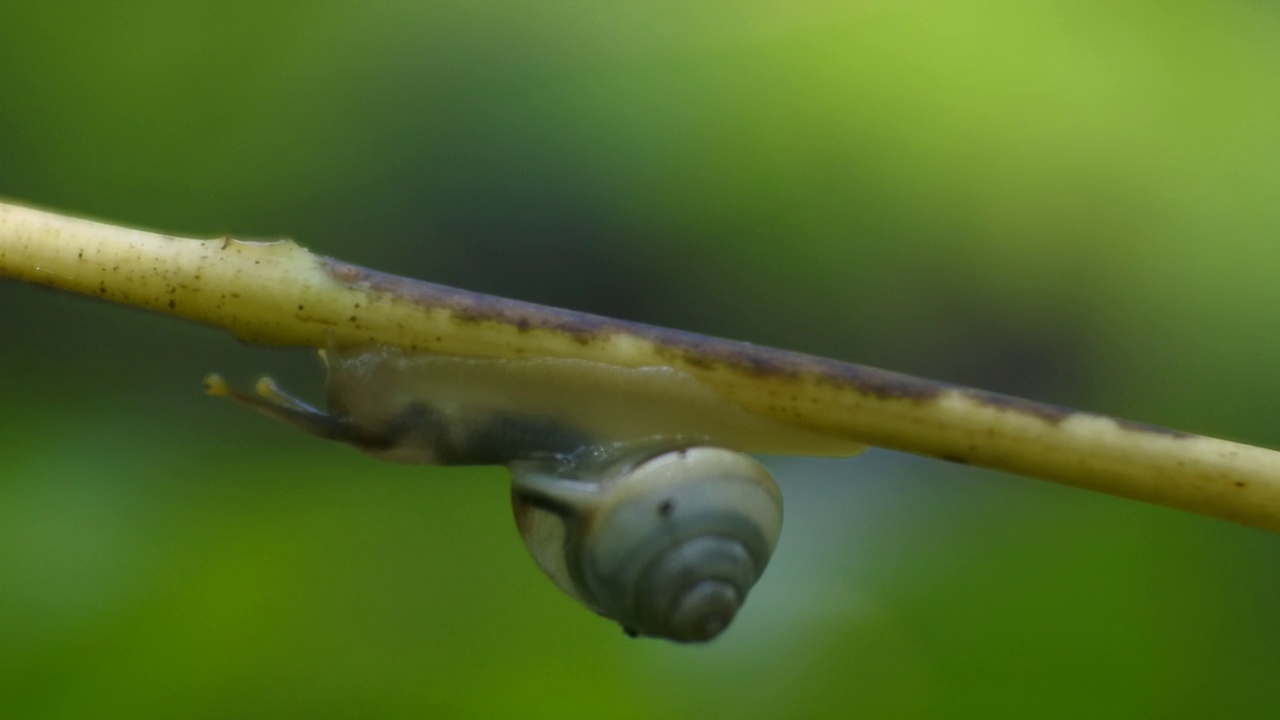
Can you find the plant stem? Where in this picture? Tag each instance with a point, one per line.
(281, 294)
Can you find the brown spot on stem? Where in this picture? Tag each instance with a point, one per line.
(1141, 427)
(1045, 411)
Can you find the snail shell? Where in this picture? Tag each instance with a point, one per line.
(666, 543)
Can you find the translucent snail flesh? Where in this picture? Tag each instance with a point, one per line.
(629, 486)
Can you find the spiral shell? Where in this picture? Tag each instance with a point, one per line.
(668, 544)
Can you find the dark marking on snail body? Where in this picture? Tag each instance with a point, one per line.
(496, 439)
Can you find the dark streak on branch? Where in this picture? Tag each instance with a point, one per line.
(692, 349)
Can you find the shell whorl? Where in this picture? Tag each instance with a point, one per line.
(668, 545)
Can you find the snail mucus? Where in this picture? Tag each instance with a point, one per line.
(629, 485)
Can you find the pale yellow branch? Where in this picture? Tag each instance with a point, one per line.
(280, 294)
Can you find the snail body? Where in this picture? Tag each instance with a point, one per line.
(437, 409)
(629, 485)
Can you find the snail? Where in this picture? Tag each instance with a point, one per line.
(630, 486)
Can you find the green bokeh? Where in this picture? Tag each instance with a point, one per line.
(1073, 201)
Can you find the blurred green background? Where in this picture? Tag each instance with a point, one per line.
(1074, 201)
